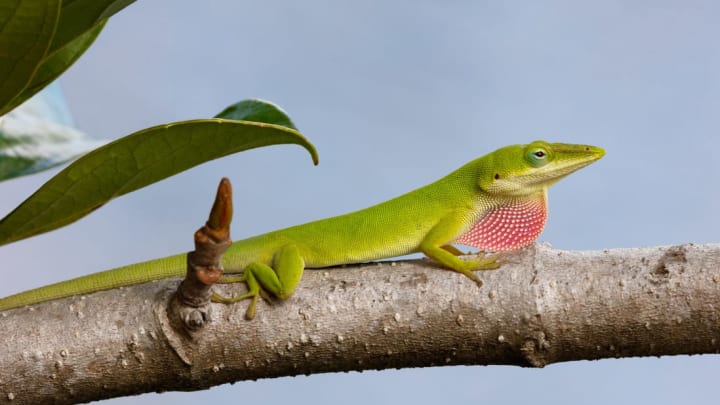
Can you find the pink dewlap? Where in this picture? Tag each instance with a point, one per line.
(507, 227)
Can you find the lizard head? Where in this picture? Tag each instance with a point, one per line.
(519, 170)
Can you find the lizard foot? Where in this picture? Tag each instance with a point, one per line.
(252, 295)
(479, 262)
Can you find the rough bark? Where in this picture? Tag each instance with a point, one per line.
(542, 306)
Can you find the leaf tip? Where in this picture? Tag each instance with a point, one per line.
(315, 158)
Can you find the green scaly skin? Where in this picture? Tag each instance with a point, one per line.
(426, 220)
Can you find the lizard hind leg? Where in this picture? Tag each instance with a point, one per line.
(232, 279)
(265, 281)
(254, 291)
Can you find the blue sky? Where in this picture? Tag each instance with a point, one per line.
(394, 95)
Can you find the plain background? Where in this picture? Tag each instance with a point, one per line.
(395, 94)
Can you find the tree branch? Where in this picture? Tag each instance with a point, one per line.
(542, 306)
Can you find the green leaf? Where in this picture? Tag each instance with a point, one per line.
(74, 28)
(59, 61)
(40, 134)
(136, 161)
(79, 16)
(258, 111)
(26, 32)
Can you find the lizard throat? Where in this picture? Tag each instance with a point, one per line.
(510, 226)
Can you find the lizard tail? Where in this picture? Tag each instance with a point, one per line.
(171, 266)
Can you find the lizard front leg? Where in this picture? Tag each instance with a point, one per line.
(435, 246)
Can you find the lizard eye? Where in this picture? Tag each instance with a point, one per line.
(537, 157)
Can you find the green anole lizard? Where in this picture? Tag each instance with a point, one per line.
(495, 203)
